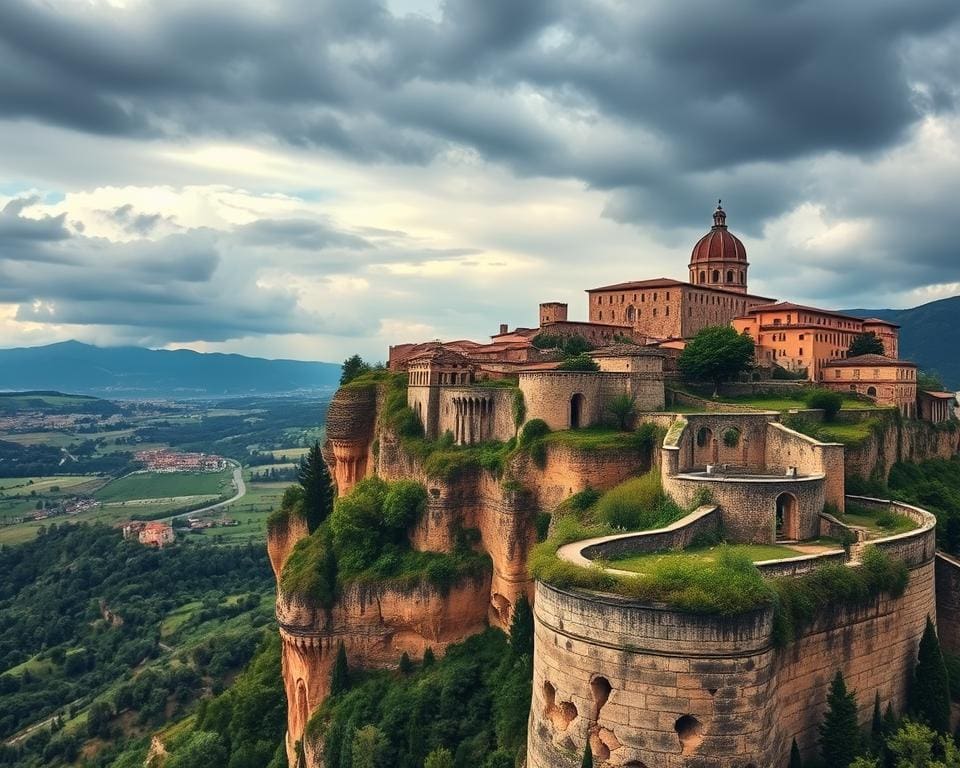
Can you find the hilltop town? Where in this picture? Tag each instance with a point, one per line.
(560, 465)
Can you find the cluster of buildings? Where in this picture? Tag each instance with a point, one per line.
(38, 421)
(171, 461)
(152, 534)
(660, 315)
(197, 524)
(69, 507)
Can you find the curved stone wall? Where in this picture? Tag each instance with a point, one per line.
(655, 688)
(548, 396)
(749, 505)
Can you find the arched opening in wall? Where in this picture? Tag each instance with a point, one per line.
(787, 522)
(303, 708)
(689, 733)
(631, 314)
(741, 277)
(729, 275)
(731, 437)
(871, 391)
(703, 447)
(703, 276)
(576, 411)
(600, 687)
(549, 697)
(716, 276)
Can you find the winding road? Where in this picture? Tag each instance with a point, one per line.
(238, 483)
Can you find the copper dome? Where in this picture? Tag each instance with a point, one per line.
(718, 244)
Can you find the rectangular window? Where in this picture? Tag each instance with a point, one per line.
(801, 337)
(836, 373)
(801, 351)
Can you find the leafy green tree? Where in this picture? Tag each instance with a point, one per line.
(912, 745)
(370, 748)
(202, 749)
(839, 732)
(865, 344)
(441, 757)
(581, 362)
(587, 761)
(353, 366)
(340, 675)
(98, 719)
(795, 761)
(930, 692)
(318, 490)
(521, 628)
(929, 381)
(403, 505)
(826, 400)
(716, 354)
(865, 762)
(622, 410)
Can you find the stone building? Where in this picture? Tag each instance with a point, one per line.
(156, 535)
(883, 379)
(936, 407)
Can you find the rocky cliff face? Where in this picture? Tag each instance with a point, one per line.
(896, 440)
(379, 622)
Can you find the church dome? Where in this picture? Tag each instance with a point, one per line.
(718, 244)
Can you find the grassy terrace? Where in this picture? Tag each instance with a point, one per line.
(650, 561)
(781, 403)
(878, 522)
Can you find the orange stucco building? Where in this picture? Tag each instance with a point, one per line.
(881, 378)
(805, 339)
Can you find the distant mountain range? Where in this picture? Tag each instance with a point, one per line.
(928, 335)
(134, 372)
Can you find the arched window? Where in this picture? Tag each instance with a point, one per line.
(703, 276)
(729, 275)
(871, 391)
(631, 313)
(716, 276)
(741, 277)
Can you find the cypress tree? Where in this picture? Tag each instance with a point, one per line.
(839, 734)
(876, 726)
(340, 676)
(587, 757)
(930, 693)
(521, 628)
(795, 761)
(428, 658)
(318, 492)
(406, 666)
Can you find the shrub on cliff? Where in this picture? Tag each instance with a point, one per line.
(356, 525)
(930, 692)
(827, 400)
(638, 504)
(533, 430)
(403, 504)
(311, 570)
(622, 409)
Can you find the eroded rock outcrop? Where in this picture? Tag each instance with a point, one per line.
(377, 622)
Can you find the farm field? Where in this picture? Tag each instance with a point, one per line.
(251, 512)
(167, 485)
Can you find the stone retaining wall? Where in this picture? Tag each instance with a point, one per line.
(796, 566)
(912, 547)
(679, 535)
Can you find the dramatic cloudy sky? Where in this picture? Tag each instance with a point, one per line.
(308, 178)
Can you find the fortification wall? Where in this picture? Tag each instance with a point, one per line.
(787, 448)
(703, 441)
(548, 396)
(660, 689)
(749, 506)
(948, 602)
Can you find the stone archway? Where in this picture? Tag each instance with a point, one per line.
(576, 411)
(704, 447)
(871, 391)
(787, 517)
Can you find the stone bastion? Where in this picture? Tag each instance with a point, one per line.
(653, 687)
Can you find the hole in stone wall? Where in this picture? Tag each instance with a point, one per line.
(601, 688)
(689, 732)
(549, 697)
(502, 606)
(712, 691)
(634, 764)
(568, 711)
(435, 492)
(600, 750)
